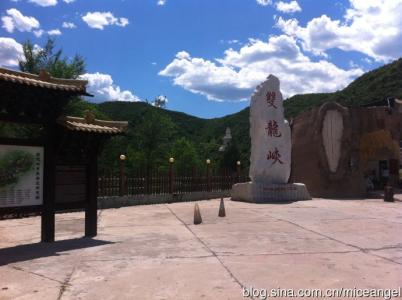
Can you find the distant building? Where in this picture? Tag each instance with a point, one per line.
(339, 151)
(226, 140)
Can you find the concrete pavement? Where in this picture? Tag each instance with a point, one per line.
(155, 252)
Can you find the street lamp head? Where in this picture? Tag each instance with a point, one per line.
(238, 163)
(208, 161)
(171, 160)
(122, 157)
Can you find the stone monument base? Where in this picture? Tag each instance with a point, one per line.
(269, 192)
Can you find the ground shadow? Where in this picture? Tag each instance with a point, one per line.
(344, 199)
(38, 250)
(278, 202)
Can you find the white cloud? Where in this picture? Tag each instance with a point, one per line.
(102, 87)
(161, 2)
(69, 25)
(123, 22)
(264, 2)
(372, 27)
(235, 76)
(44, 2)
(54, 32)
(99, 20)
(281, 46)
(288, 7)
(10, 52)
(38, 33)
(15, 20)
(230, 42)
(367, 60)
(68, 1)
(8, 23)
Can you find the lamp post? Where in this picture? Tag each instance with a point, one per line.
(238, 166)
(208, 161)
(122, 177)
(171, 162)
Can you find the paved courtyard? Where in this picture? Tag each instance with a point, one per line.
(155, 252)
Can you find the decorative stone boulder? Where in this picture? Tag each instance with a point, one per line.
(270, 150)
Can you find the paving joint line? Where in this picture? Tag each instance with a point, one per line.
(242, 286)
(363, 250)
(65, 283)
(33, 273)
(290, 253)
(133, 258)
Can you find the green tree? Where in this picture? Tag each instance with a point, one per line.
(146, 144)
(185, 155)
(47, 58)
(209, 150)
(136, 161)
(59, 66)
(78, 106)
(152, 137)
(108, 163)
(230, 157)
(35, 59)
(160, 101)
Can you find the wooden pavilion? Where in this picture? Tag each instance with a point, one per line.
(52, 167)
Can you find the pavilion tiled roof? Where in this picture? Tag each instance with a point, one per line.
(44, 80)
(90, 124)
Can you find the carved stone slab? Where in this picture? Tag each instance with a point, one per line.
(270, 151)
(270, 135)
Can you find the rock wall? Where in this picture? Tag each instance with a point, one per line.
(330, 155)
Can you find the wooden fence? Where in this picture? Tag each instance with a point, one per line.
(168, 183)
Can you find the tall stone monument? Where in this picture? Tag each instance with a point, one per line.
(271, 148)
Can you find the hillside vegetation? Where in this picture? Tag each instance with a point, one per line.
(202, 136)
(197, 139)
(375, 85)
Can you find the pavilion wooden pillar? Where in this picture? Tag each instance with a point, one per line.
(91, 210)
(49, 173)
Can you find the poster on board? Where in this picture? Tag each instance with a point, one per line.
(21, 175)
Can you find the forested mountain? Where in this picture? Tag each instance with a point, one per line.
(375, 85)
(155, 134)
(189, 139)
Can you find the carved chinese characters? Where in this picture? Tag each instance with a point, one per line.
(271, 98)
(275, 156)
(273, 129)
(270, 135)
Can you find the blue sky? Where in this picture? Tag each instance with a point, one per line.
(207, 56)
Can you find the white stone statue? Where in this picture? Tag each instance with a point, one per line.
(270, 151)
(270, 135)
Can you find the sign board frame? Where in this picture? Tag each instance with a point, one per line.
(21, 175)
(26, 143)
